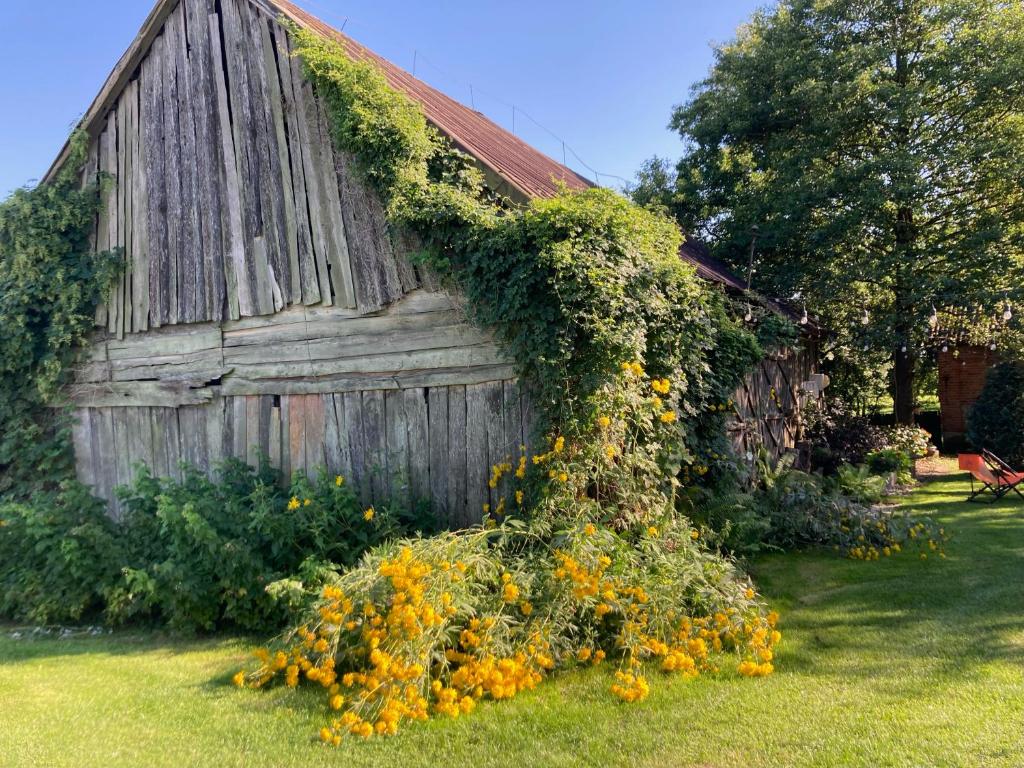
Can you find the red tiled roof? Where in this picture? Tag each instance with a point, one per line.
(527, 170)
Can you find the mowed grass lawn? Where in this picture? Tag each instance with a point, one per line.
(900, 662)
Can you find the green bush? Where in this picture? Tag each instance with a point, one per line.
(60, 556)
(996, 420)
(194, 554)
(891, 460)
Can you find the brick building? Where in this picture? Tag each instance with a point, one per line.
(962, 371)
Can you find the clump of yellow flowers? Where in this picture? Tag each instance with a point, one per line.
(603, 571)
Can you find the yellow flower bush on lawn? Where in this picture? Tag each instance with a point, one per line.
(601, 571)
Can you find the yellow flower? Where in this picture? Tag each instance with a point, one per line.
(526, 607)
(609, 451)
(749, 594)
(519, 497)
(694, 535)
(510, 593)
(589, 529)
(337, 701)
(668, 417)
(369, 513)
(604, 422)
(339, 481)
(637, 369)
(652, 531)
(306, 502)
(293, 504)
(559, 444)
(562, 477)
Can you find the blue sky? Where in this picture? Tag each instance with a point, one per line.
(601, 76)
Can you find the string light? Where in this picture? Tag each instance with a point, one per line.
(804, 318)
(933, 319)
(750, 315)
(1007, 313)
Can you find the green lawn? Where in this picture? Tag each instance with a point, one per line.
(898, 662)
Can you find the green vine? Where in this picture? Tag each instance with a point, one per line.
(573, 285)
(50, 284)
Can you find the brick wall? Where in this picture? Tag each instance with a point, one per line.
(961, 376)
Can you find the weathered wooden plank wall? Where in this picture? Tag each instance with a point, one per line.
(266, 308)
(768, 404)
(225, 192)
(380, 441)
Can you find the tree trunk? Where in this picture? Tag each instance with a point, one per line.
(903, 386)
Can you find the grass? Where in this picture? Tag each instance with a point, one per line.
(900, 662)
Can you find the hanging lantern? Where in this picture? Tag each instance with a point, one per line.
(933, 319)
(992, 346)
(750, 315)
(803, 317)
(865, 319)
(830, 355)
(945, 347)
(1007, 313)
(903, 348)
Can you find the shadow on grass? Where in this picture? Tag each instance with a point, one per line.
(938, 617)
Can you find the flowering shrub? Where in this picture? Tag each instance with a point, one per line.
(602, 570)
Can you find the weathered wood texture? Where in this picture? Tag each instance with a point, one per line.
(394, 446)
(767, 406)
(225, 193)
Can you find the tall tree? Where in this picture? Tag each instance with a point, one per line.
(878, 146)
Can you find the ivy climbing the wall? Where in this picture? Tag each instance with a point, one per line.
(573, 285)
(50, 284)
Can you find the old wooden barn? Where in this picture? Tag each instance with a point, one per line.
(265, 307)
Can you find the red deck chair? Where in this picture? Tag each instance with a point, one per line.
(996, 480)
(1009, 478)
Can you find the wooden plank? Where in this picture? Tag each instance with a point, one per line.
(266, 410)
(106, 473)
(122, 454)
(512, 410)
(140, 228)
(209, 164)
(238, 289)
(138, 394)
(289, 280)
(312, 159)
(168, 341)
(303, 287)
(477, 466)
(418, 438)
(274, 436)
(124, 128)
(154, 171)
(360, 468)
(338, 257)
(374, 433)
(158, 430)
(437, 415)
(237, 385)
(344, 437)
(252, 430)
(497, 449)
(138, 451)
(265, 153)
(172, 439)
(191, 280)
(239, 428)
(214, 428)
(375, 272)
(285, 450)
(314, 433)
(297, 432)
(171, 273)
(108, 165)
(81, 437)
(332, 428)
(397, 441)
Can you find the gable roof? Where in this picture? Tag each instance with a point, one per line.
(510, 163)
